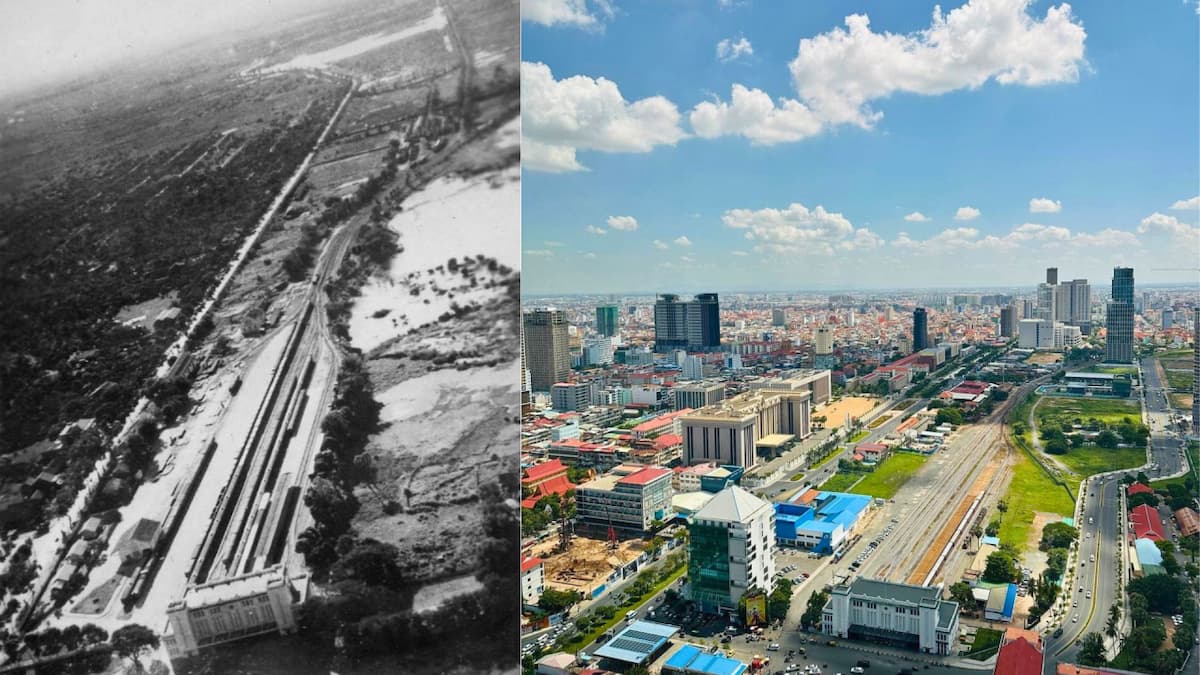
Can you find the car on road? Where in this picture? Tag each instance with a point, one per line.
(1057, 632)
(773, 647)
(1075, 619)
(793, 668)
(1089, 595)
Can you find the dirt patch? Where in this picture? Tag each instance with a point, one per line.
(586, 564)
(1043, 358)
(855, 406)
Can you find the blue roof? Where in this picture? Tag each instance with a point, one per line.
(1010, 600)
(1148, 552)
(994, 541)
(691, 659)
(823, 515)
(637, 641)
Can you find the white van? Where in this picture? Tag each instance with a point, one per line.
(629, 616)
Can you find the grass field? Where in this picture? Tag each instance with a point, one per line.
(1181, 401)
(840, 482)
(986, 642)
(889, 476)
(1090, 460)
(1108, 411)
(1180, 380)
(880, 421)
(859, 436)
(1112, 370)
(1030, 490)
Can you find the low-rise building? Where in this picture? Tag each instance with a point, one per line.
(818, 520)
(891, 613)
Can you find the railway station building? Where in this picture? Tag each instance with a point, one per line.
(902, 615)
(232, 609)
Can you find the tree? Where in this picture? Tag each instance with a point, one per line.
(1160, 590)
(1107, 439)
(1091, 652)
(1000, 568)
(1057, 446)
(555, 601)
(133, 640)
(952, 416)
(780, 599)
(1057, 535)
(960, 592)
(1141, 498)
(1056, 562)
(371, 562)
(812, 612)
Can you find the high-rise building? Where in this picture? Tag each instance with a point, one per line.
(693, 368)
(526, 397)
(1008, 321)
(1036, 334)
(1168, 318)
(693, 325)
(1080, 299)
(1027, 309)
(920, 339)
(546, 348)
(1052, 276)
(698, 395)
(778, 317)
(571, 396)
(823, 341)
(731, 550)
(1046, 296)
(606, 320)
(1119, 345)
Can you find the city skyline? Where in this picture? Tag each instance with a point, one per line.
(728, 164)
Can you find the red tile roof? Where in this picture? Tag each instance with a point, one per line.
(1018, 657)
(540, 472)
(530, 563)
(559, 485)
(1140, 488)
(1146, 523)
(667, 441)
(644, 476)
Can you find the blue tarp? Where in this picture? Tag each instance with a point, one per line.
(1010, 601)
(694, 661)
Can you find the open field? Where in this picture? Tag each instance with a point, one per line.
(889, 476)
(1181, 401)
(1112, 370)
(1043, 358)
(1179, 379)
(855, 406)
(1109, 411)
(841, 482)
(1088, 460)
(1030, 491)
(1193, 455)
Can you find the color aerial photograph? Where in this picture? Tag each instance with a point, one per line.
(860, 337)
(259, 336)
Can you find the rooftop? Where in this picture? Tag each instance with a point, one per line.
(637, 642)
(692, 659)
(733, 504)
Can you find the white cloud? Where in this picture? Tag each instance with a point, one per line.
(687, 259)
(592, 229)
(623, 223)
(751, 113)
(683, 241)
(1044, 205)
(839, 73)
(797, 229)
(538, 252)
(966, 213)
(565, 12)
(559, 117)
(661, 245)
(1187, 204)
(1028, 238)
(917, 217)
(1159, 223)
(739, 253)
(553, 244)
(731, 50)
(589, 254)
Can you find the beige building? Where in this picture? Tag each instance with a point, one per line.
(728, 432)
(547, 348)
(232, 609)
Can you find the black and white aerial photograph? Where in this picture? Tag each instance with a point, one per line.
(260, 360)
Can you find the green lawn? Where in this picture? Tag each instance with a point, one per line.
(859, 436)
(1108, 411)
(828, 457)
(986, 642)
(887, 478)
(1030, 490)
(840, 482)
(1090, 460)
(1180, 380)
(1112, 370)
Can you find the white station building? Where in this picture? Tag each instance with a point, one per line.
(895, 614)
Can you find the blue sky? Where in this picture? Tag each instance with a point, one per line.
(755, 145)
